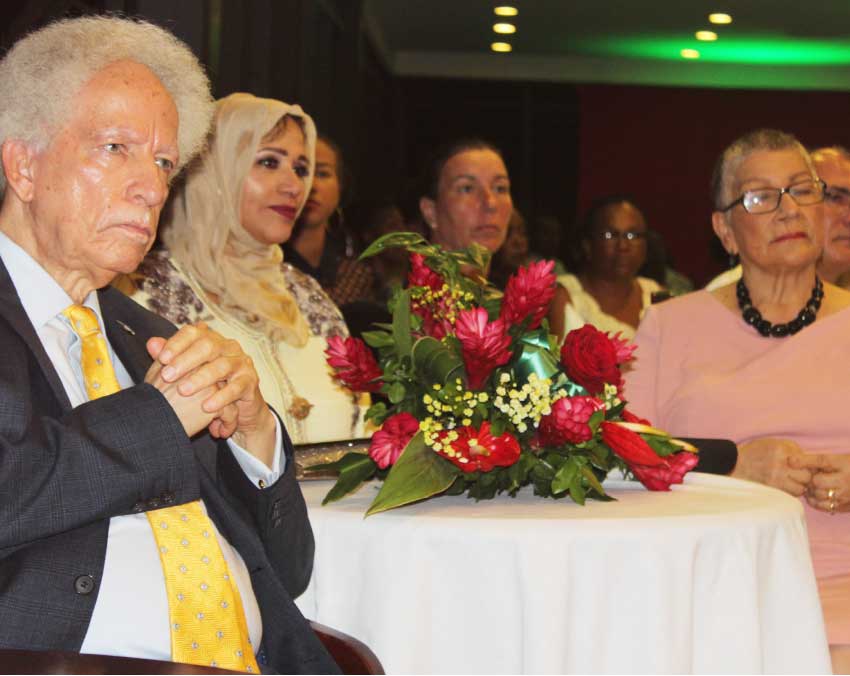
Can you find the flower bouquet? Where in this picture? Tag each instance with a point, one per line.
(479, 399)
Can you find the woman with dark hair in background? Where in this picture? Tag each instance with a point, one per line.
(467, 196)
(321, 245)
(607, 292)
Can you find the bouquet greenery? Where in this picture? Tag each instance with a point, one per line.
(479, 397)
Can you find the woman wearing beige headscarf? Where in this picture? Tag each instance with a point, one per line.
(222, 264)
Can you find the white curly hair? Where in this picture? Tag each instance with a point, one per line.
(42, 73)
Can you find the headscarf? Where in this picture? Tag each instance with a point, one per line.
(204, 232)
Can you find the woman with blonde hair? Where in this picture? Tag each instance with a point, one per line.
(222, 263)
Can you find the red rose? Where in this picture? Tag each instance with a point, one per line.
(590, 359)
(671, 471)
(389, 441)
(568, 421)
(528, 294)
(484, 344)
(630, 446)
(354, 364)
(478, 450)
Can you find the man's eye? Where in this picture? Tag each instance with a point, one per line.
(165, 164)
(114, 148)
(465, 189)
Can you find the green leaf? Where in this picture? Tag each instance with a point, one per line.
(353, 468)
(391, 240)
(418, 473)
(377, 412)
(660, 445)
(396, 392)
(378, 339)
(401, 324)
(596, 420)
(434, 362)
(565, 476)
(577, 491)
(497, 426)
(588, 474)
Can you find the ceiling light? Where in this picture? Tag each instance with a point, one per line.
(505, 11)
(501, 47)
(504, 28)
(689, 54)
(706, 36)
(720, 18)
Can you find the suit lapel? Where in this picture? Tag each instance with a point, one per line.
(127, 340)
(13, 312)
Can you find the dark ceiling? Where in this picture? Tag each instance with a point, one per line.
(771, 43)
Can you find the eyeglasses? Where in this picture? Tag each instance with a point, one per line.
(615, 235)
(840, 197)
(765, 200)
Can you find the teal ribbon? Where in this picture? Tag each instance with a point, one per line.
(536, 357)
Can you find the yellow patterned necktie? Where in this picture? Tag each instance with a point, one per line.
(207, 620)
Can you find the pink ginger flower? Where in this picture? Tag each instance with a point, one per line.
(354, 364)
(484, 344)
(529, 293)
(568, 421)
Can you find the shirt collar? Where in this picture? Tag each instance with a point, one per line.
(41, 296)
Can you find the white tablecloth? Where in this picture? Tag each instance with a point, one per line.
(714, 577)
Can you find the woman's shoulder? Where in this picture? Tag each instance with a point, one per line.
(321, 313)
(697, 309)
(160, 287)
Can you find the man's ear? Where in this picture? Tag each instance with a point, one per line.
(19, 166)
(429, 211)
(724, 232)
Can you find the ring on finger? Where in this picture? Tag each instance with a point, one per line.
(832, 508)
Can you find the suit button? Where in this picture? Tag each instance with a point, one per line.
(138, 507)
(84, 585)
(167, 498)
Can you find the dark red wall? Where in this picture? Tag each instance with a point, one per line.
(660, 144)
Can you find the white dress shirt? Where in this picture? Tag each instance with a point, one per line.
(130, 616)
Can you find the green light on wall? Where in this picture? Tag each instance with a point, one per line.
(740, 49)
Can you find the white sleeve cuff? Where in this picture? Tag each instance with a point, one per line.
(255, 469)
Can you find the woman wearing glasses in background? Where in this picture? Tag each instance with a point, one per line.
(763, 360)
(607, 291)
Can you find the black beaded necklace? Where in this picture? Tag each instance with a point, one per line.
(804, 317)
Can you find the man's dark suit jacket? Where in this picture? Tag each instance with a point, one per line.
(64, 472)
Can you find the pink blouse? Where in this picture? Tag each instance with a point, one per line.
(700, 371)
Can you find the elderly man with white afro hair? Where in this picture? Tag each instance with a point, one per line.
(149, 506)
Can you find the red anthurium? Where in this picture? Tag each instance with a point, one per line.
(484, 344)
(568, 421)
(389, 441)
(528, 294)
(354, 364)
(478, 450)
(628, 416)
(630, 446)
(671, 471)
(590, 359)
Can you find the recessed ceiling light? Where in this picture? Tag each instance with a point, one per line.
(501, 47)
(720, 18)
(706, 36)
(504, 28)
(505, 11)
(689, 54)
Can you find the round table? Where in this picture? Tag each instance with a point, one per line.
(714, 576)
